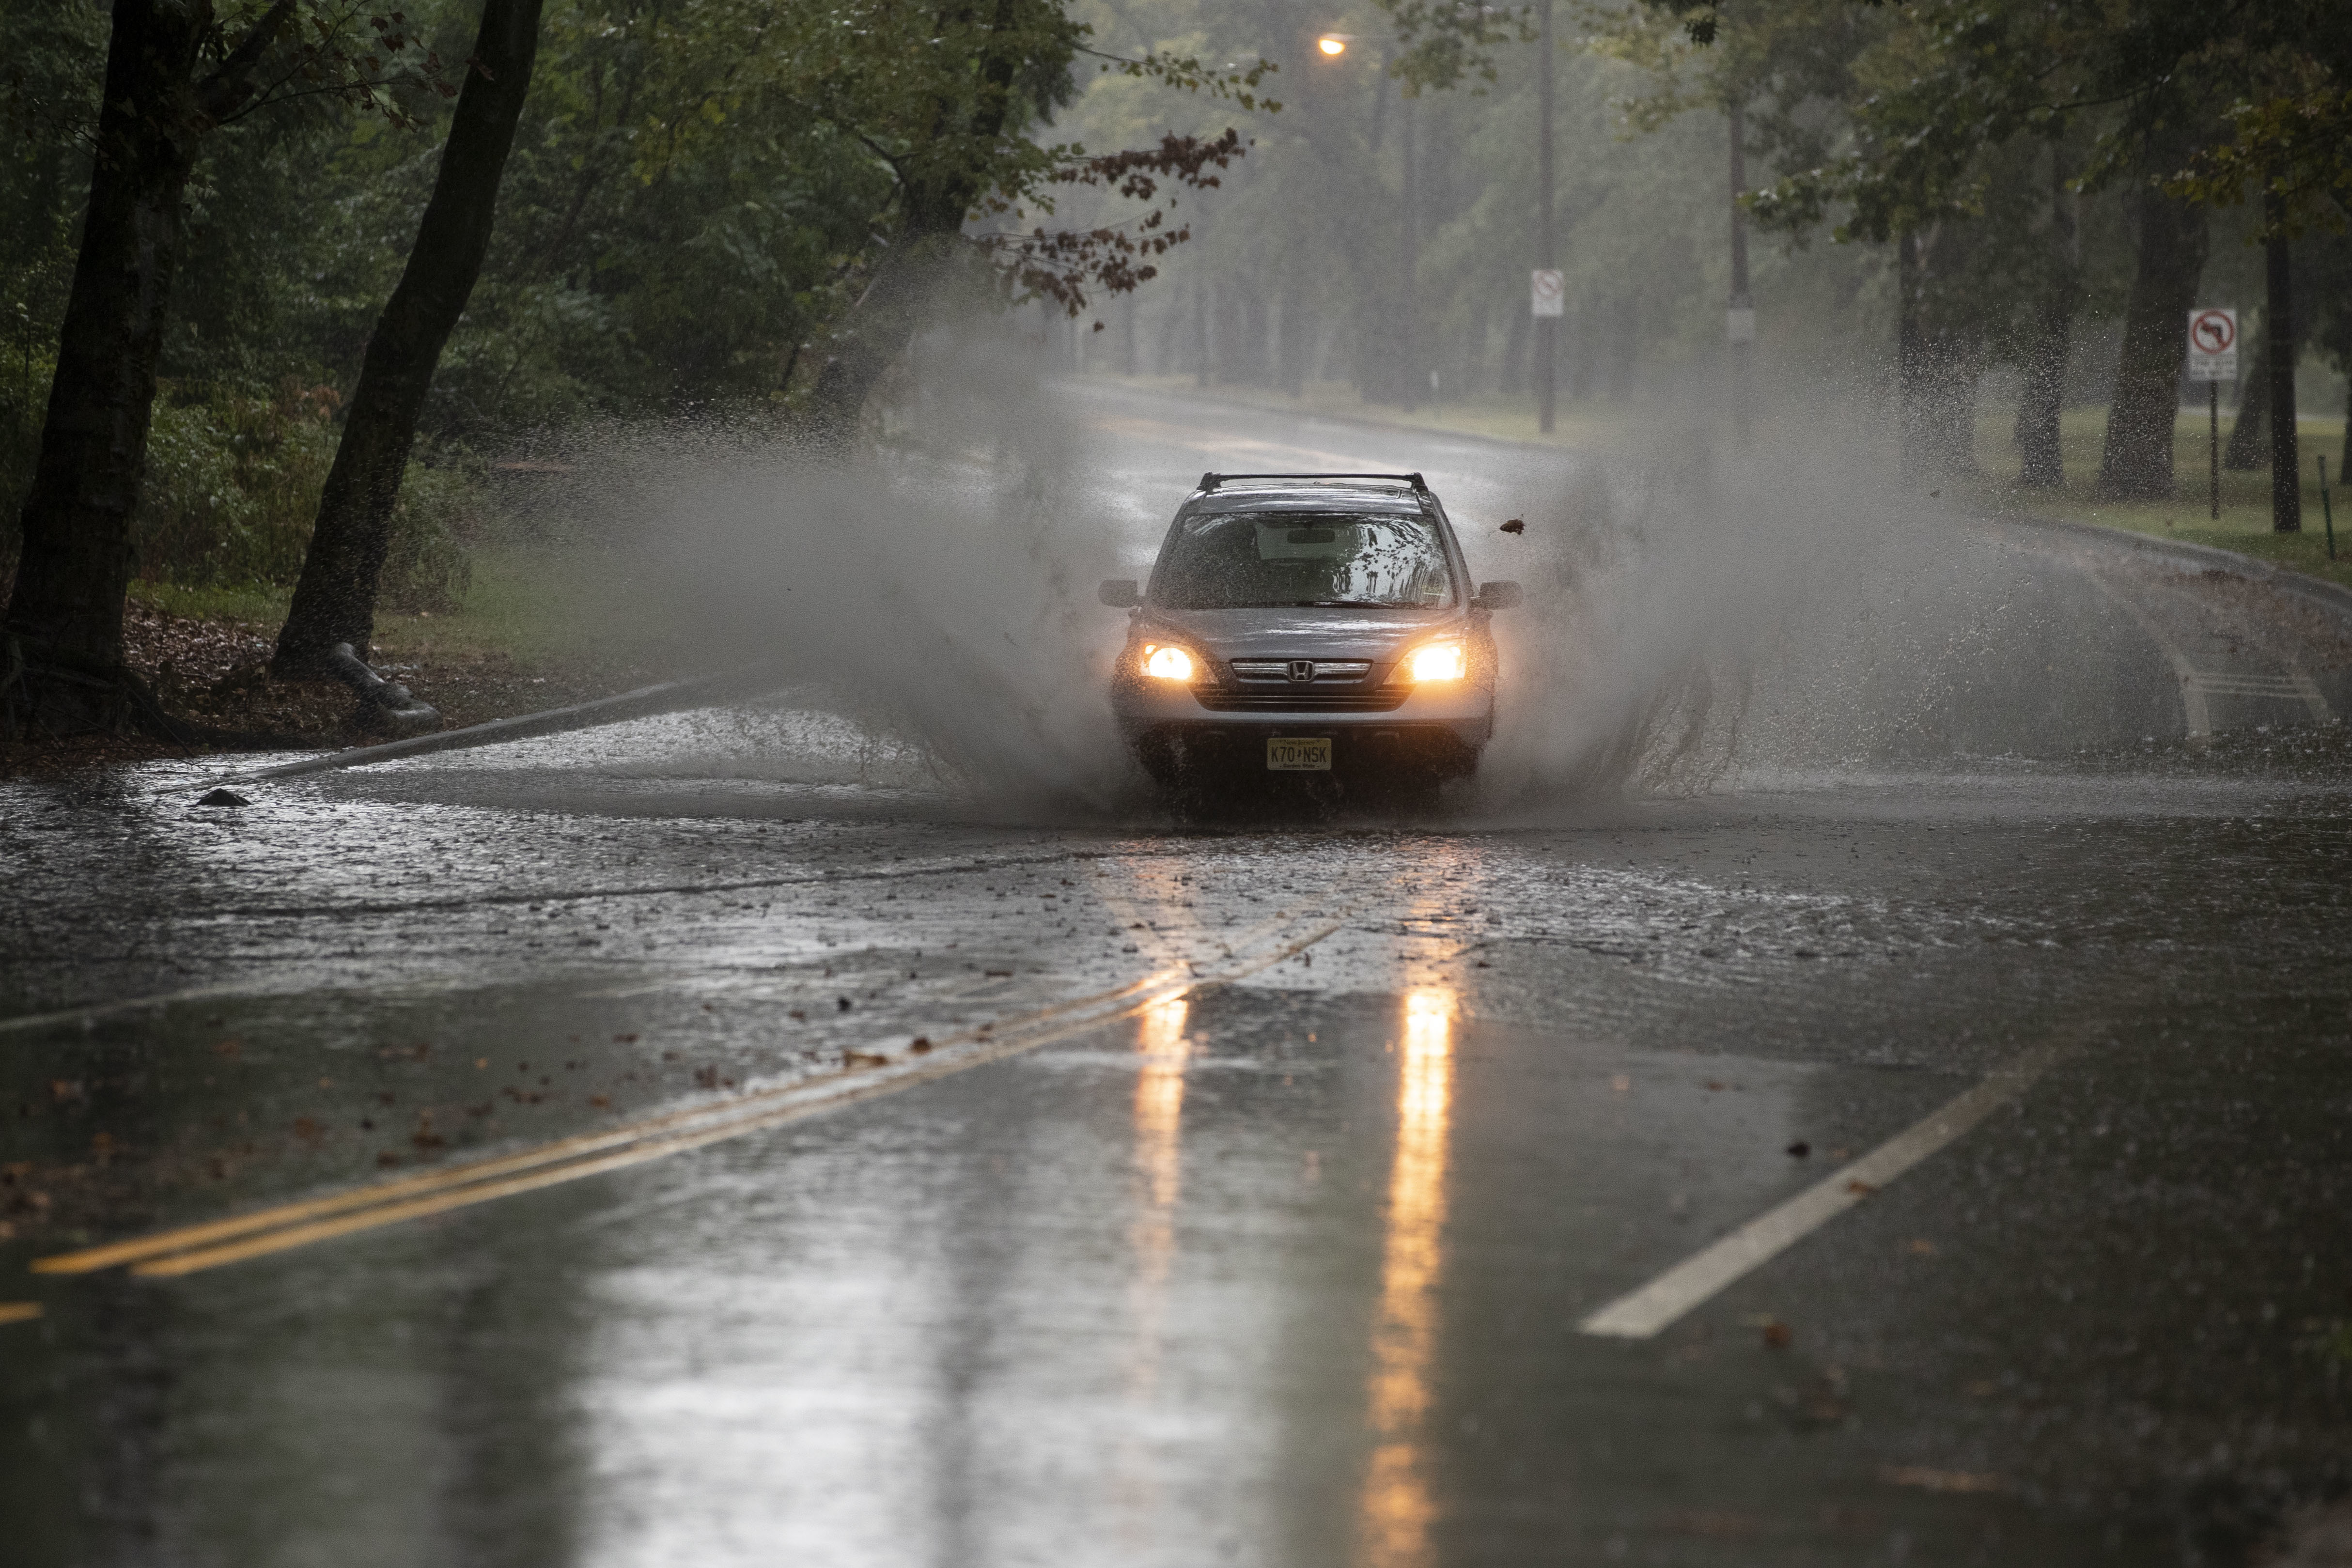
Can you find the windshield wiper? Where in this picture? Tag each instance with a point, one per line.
(1344, 604)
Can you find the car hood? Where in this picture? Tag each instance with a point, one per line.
(1297, 633)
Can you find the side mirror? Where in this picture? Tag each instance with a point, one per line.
(1498, 596)
(1119, 594)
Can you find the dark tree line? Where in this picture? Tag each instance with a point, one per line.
(915, 122)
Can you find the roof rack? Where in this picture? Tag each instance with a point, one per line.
(1211, 481)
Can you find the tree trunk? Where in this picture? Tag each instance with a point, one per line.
(2278, 333)
(1201, 362)
(335, 601)
(2042, 461)
(1910, 356)
(2244, 452)
(2136, 461)
(64, 670)
(1407, 327)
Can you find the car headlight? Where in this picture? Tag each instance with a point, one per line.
(1436, 662)
(1165, 662)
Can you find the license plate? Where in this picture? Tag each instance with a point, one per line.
(1299, 754)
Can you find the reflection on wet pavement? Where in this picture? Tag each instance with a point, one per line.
(1399, 1504)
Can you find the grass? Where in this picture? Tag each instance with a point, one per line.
(256, 603)
(2244, 524)
(535, 606)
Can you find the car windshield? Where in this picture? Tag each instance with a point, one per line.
(1236, 561)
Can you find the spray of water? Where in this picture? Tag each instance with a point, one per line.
(939, 595)
(1695, 614)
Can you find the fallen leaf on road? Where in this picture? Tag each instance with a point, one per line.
(922, 1043)
(1776, 1336)
(307, 1130)
(1800, 1149)
(1860, 1188)
(1920, 1248)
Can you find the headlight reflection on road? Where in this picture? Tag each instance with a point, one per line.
(1162, 1051)
(1397, 1505)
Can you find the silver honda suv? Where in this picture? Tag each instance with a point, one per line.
(1309, 623)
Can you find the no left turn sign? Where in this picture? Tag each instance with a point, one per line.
(1546, 289)
(2212, 345)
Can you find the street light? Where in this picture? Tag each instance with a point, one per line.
(1332, 45)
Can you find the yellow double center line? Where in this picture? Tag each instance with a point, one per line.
(187, 1248)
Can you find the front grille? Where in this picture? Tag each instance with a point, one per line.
(1323, 671)
(1302, 698)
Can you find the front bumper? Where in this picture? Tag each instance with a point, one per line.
(1444, 726)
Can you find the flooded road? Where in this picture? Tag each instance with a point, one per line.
(718, 1139)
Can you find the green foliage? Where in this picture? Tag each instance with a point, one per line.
(428, 564)
(696, 193)
(233, 485)
(232, 482)
(1444, 43)
(2295, 143)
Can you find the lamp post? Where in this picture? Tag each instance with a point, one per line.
(1546, 326)
(1408, 272)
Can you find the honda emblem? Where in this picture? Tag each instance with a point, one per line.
(1302, 669)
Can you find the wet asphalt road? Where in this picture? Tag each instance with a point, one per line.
(1252, 1180)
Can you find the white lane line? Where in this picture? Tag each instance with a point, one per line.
(1683, 1287)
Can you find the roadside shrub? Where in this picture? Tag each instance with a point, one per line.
(439, 512)
(232, 486)
(24, 391)
(232, 489)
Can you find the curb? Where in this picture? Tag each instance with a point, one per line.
(2326, 596)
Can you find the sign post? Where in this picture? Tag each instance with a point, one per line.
(1544, 297)
(2213, 359)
